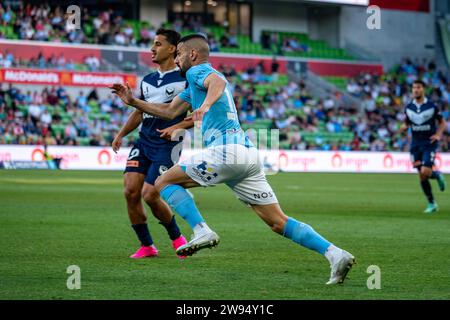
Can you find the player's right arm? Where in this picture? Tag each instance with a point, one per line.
(166, 111)
(132, 123)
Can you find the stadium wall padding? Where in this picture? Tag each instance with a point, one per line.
(103, 158)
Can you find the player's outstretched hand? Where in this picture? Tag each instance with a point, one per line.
(166, 133)
(123, 92)
(197, 115)
(116, 144)
(435, 137)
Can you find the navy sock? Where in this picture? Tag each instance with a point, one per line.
(435, 175)
(143, 234)
(172, 229)
(426, 187)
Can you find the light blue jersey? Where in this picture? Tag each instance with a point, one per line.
(220, 125)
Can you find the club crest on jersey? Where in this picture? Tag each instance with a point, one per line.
(162, 169)
(170, 91)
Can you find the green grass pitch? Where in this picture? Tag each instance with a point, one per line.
(52, 219)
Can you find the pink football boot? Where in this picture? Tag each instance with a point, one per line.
(178, 242)
(145, 252)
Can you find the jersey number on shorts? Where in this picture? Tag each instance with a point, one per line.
(133, 154)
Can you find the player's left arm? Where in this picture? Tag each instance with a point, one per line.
(172, 131)
(215, 86)
(440, 131)
(442, 126)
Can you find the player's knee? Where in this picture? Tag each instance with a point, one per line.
(150, 194)
(160, 183)
(425, 173)
(132, 194)
(278, 225)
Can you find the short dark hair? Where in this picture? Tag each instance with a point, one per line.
(193, 36)
(172, 36)
(420, 82)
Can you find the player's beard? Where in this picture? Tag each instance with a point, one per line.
(183, 71)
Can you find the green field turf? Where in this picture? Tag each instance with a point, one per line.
(50, 220)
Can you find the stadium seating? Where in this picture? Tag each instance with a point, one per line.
(316, 48)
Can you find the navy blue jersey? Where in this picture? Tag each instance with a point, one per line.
(158, 87)
(423, 121)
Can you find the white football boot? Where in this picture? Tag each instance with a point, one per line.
(343, 261)
(199, 241)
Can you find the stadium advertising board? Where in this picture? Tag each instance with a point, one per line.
(100, 158)
(65, 78)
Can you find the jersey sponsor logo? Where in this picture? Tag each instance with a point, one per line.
(132, 163)
(420, 118)
(204, 172)
(263, 195)
(147, 116)
(425, 127)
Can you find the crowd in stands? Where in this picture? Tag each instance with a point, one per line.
(48, 23)
(282, 44)
(263, 96)
(53, 117)
(384, 98)
(91, 62)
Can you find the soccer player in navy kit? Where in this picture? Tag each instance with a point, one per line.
(152, 153)
(427, 127)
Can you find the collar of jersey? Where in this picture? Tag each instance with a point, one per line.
(419, 105)
(162, 74)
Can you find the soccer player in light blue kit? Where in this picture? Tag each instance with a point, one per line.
(229, 157)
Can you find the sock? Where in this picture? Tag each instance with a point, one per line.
(172, 229)
(304, 235)
(179, 199)
(435, 175)
(143, 234)
(426, 187)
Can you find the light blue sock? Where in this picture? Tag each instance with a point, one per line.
(304, 235)
(179, 199)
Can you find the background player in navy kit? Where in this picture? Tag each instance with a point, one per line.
(422, 116)
(151, 155)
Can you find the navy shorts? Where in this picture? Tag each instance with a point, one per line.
(150, 162)
(423, 155)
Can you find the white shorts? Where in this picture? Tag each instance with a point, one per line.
(235, 165)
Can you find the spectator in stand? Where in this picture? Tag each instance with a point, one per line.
(92, 62)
